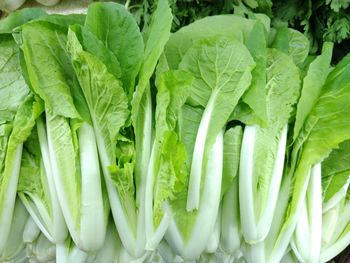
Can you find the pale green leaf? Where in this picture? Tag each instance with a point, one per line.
(13, 88)
(115, 27)
(232, 150)
(312, 86)
(336, 170)
(49, 67)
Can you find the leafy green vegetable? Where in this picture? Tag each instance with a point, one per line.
(309, 149)
(75, 167)
(263, 149)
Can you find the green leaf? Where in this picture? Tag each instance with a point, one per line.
(123, 179)
(32, 174)
(189, 121)
(220, 68)
(141, 112)
(13, 89)
(312, 86)
(65, 163)
(64, 21)
(116, 28)
(107, 101)
(49, 67)
(208, 27)
(108, 106)
(292, 42)
(157, 36)
(19, 18)
(255, 96)
(336, 170)
(232, 150)
(298, 46)
(96, 47)
(310, 146)
(173, 90)
(5, 131)
(23, 123)
(169, 180)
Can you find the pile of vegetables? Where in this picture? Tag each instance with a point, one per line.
(222, 142)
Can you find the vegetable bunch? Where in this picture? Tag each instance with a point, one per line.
(221, 142)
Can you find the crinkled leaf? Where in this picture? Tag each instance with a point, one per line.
(49, 67)
(173, 90)
(23, 123)
(122, 177)
(170, 175)
(283, 87)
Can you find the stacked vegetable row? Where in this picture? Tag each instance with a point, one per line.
(221, 142)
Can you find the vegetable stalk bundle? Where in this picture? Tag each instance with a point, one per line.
(222, 142)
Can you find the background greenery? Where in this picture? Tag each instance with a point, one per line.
(320, 20)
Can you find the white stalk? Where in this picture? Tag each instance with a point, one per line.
(15, 242)
(314, 198)
(265, 221)
(276, 243)
(339, 239)
(153, 237)
(214, 239)
(256, 229)
(61, 253)
(307, 238)
(166, 252)
(230, 227)
(329, 225)
(59, 184)
(208, 210)
(330, 252)
(56, 226)
(75, 255)
(193, 195)
(253, 252)
(336, 198)
(39, 215)
(126, 232)
(31, 231)
(149, 194)
(246, 191)
(157, 235)
(10, 197)
(300, 242)
(145, 144)
(92, 207)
